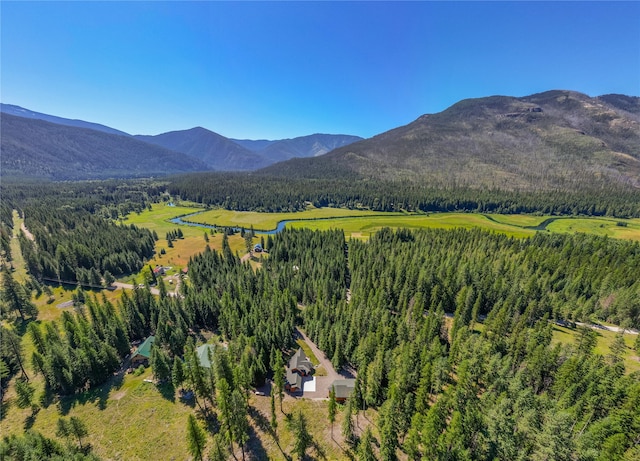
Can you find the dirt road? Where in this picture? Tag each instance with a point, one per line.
(154, 291)
(597, 326)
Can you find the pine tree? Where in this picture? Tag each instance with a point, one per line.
(278, 376)
(347, 423)
(302, 437)
(24, 392)
(196, 438)
(365, 450)
(332, 407)
(13, 294)
(274, 419)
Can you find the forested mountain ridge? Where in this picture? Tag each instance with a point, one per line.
(216, 151)
(26, 113)
(312, 145)
(552, 140)
(39, 148)
(224, 154)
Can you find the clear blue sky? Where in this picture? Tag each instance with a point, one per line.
(276, 70)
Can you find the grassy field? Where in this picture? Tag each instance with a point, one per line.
(362, 224)
(598, 226)
(603, 347)
(158, 219)
(268, 221)
(365, 227)
(522, 220)
(20, 272)
(193, 242)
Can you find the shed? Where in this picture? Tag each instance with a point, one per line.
(343, 388)
(143, 352)
(203, 354)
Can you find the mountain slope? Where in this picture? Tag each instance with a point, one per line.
(216, 151)
(38, 148)
(306, 146)
(556, 139)
(26, 113)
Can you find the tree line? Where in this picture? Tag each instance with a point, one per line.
(257, 192)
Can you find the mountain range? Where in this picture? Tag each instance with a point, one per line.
(551, 140)
(45, 152)
(556, 140)
(37, 148)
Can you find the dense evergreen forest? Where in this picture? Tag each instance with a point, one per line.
(74, 236)
(498, 392)
(265, 193)
(449, 332)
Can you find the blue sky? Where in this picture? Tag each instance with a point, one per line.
(284, 69)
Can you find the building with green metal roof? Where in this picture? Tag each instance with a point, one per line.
(203, 354)
(143, 352)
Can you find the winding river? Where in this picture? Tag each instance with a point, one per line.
(182, 220)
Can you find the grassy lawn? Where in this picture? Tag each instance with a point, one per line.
(127, 419)
(307, 351)
(603, 347)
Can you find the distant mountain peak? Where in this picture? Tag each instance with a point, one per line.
(552, 140)
(27, 113)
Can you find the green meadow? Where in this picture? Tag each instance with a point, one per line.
(365, 227)
(268, 221)
(616, 228)
(364, 223)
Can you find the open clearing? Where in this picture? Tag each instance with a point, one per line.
(603, 346)
(366, 227)
(598, 226)
(361, 224)
(269, 221)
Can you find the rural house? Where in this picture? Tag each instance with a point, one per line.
(299, 366)
(299, 363)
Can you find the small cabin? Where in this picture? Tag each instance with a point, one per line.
(143, 352)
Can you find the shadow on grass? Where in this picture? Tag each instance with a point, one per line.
(264, 425)
(29, 422)
(320, 453)
(98, 395)
(255, 448)
(4, 408)
(212, 421)
(167, 391)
